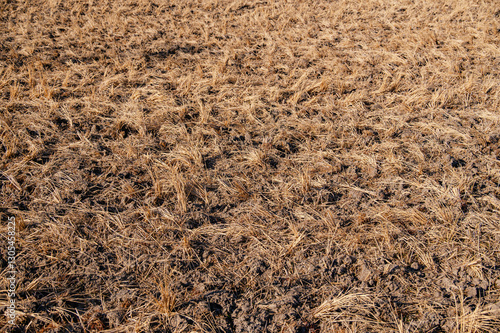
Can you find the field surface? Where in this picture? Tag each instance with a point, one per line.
(251, 166)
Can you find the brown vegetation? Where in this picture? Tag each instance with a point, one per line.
(252, 166)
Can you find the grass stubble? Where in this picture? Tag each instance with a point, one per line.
(281, 166)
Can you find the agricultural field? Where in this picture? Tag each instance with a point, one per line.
(251, 166)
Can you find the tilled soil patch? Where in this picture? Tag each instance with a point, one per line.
(238, 166)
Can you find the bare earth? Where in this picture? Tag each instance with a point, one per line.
(251, 166)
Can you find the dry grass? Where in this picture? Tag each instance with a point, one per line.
(281, 166)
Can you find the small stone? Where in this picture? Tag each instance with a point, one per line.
(448, 284)
(470, 292)
(483, 283)
(415, 266)
(493, 307)
(364, 273)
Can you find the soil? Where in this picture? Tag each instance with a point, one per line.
(242, 166)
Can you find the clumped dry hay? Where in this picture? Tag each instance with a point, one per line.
(251, 166)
